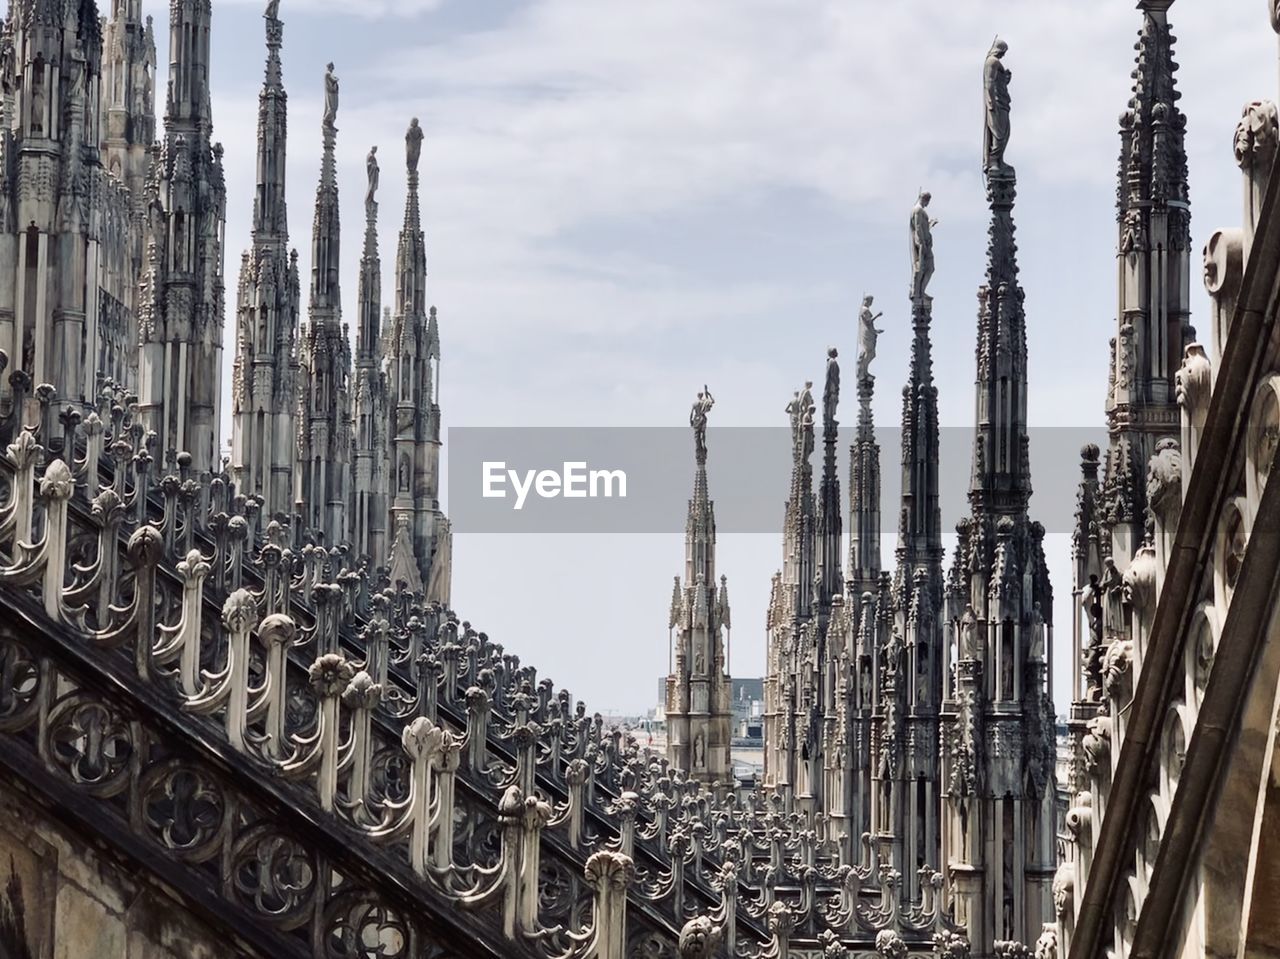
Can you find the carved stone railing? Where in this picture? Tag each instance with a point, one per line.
(454, 774)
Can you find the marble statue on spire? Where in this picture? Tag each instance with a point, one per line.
(413, 144)
(801, 411)
(921, 246)
(831, 389)
(330, 97)
(995, 81)
(698, 420)
(371, 194)
(273, 10)
(867, 336)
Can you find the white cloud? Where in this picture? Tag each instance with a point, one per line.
(365, 9)
(569, 144)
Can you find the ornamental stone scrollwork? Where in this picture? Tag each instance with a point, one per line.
(91, 743)
(359, 925)
(275, 875)
(185, 809)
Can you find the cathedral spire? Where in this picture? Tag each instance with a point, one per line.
(369, 294)
(181, 314)
(188, 110)
(369, 514)
(265, 374)
(700, 527)
(411, 255)
(1154, 276)
(415, 364)
(798, 536)
(324, 431)
(1001, 481)
(270, 215)
(999, 809)
(864, 470)
(920, 517)
(830, 527)
(697, 690)
(326, 237)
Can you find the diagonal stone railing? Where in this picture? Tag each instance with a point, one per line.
(413, 786)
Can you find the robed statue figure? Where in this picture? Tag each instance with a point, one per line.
(867, 336)
(995, 79)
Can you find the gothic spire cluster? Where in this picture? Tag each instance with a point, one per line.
(891, 703)
(1153, 259)
(120, 266)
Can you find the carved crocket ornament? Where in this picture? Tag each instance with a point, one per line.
(699, 939)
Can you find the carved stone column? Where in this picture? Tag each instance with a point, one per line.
(609, 874)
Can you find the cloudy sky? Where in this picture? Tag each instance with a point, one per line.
(626, 200)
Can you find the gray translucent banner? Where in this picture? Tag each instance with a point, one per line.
(640, 479)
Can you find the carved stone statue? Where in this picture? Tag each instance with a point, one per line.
(330, 97)
(1036, 652)
(831, 389)
(699, 752)
(698, 420)
(807, 409)
(996, 87)
(800, 409)
(273, 10)
(37, 96)
(413, 145)
(371, 167)
(921, 247)
(867, 336)
(1274, 8)
(970, 645)
(1112, 587)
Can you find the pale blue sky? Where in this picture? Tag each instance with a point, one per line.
(625, 200)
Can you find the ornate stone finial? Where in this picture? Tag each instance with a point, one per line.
(698, 420)
(413, 145)
(330, 98)
(921, 246)
(699, 939)
(272, 11)
(371, 194)
(995, 77)
(1257, 135)
(867, 336)
(889, 945)
(1273, 8)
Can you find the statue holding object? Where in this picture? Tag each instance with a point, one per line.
(995, 79)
